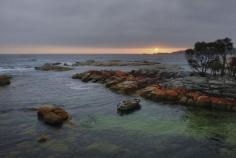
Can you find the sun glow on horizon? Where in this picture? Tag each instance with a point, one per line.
(84, 50)
(156, 50)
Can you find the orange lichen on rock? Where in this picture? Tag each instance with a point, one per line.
(203, 100)
(149, 87)
(52, 115)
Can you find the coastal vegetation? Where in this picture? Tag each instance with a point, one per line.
(212, 58)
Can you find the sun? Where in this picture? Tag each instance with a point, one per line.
(156, 50)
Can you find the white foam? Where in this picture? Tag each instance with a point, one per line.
(14, 69)
(78, 86)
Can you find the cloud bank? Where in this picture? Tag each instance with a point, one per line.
(115, 23)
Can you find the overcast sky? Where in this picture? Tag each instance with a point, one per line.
(115, 23)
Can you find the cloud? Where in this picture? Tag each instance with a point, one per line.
(115, 23)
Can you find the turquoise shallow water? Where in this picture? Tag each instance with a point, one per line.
(96, 130)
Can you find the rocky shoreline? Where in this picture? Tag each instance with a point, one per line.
(163, 83)
(114, 63)
(67, 67)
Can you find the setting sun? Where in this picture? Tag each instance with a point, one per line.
(156, 50)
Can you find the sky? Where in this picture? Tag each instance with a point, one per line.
(112, 26)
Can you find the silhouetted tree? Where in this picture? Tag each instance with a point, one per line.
(232, 67)
(211, 56)
(223, 47)
(215, 66)
(200, 57)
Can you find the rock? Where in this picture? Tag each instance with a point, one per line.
(121, 74)
(160, 86)
(111, 84)
(56, 63)
(183, 100)
(203, 101)
(128, 105)
(78, 76)
(147, 92)
(66, 64)
(160, 94)
(125, 87)
(5, 80)
(216, 101)
(171, 94)
(43, 139)
(233, 108)
(114, 63)
(159, 70)
(193, 95)
(53, 67)
(190, 101)
(103, 147)
(146, 82)
(53, 119)
(52, 115)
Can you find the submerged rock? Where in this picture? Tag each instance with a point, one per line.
(5, 80)
(128, 105)
(43, 139)
(103, 147)
(52, 115)
(53, 67)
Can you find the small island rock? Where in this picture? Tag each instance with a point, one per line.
(128, 105)
(52, 115)
(5, 80)
(53, 67)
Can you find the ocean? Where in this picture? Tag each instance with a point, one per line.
(96, 130)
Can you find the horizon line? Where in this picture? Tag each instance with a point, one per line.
(87, 53)
(88, 50)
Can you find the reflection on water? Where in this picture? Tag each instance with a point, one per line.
(96, 130)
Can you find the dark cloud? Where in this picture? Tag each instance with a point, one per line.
(115, 23)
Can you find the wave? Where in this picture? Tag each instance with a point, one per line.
(77, 86)
(2, 69)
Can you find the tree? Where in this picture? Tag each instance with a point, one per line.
(211, 56)
(200, 57)
(223, 48)
(232, 67)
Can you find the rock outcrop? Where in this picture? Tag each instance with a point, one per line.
(188, 97)
(43, 139)
(126, 106)
(53, 67)
(5, 80)
(158, 87)
(52, 115)
(214, 86)
(113, 63)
